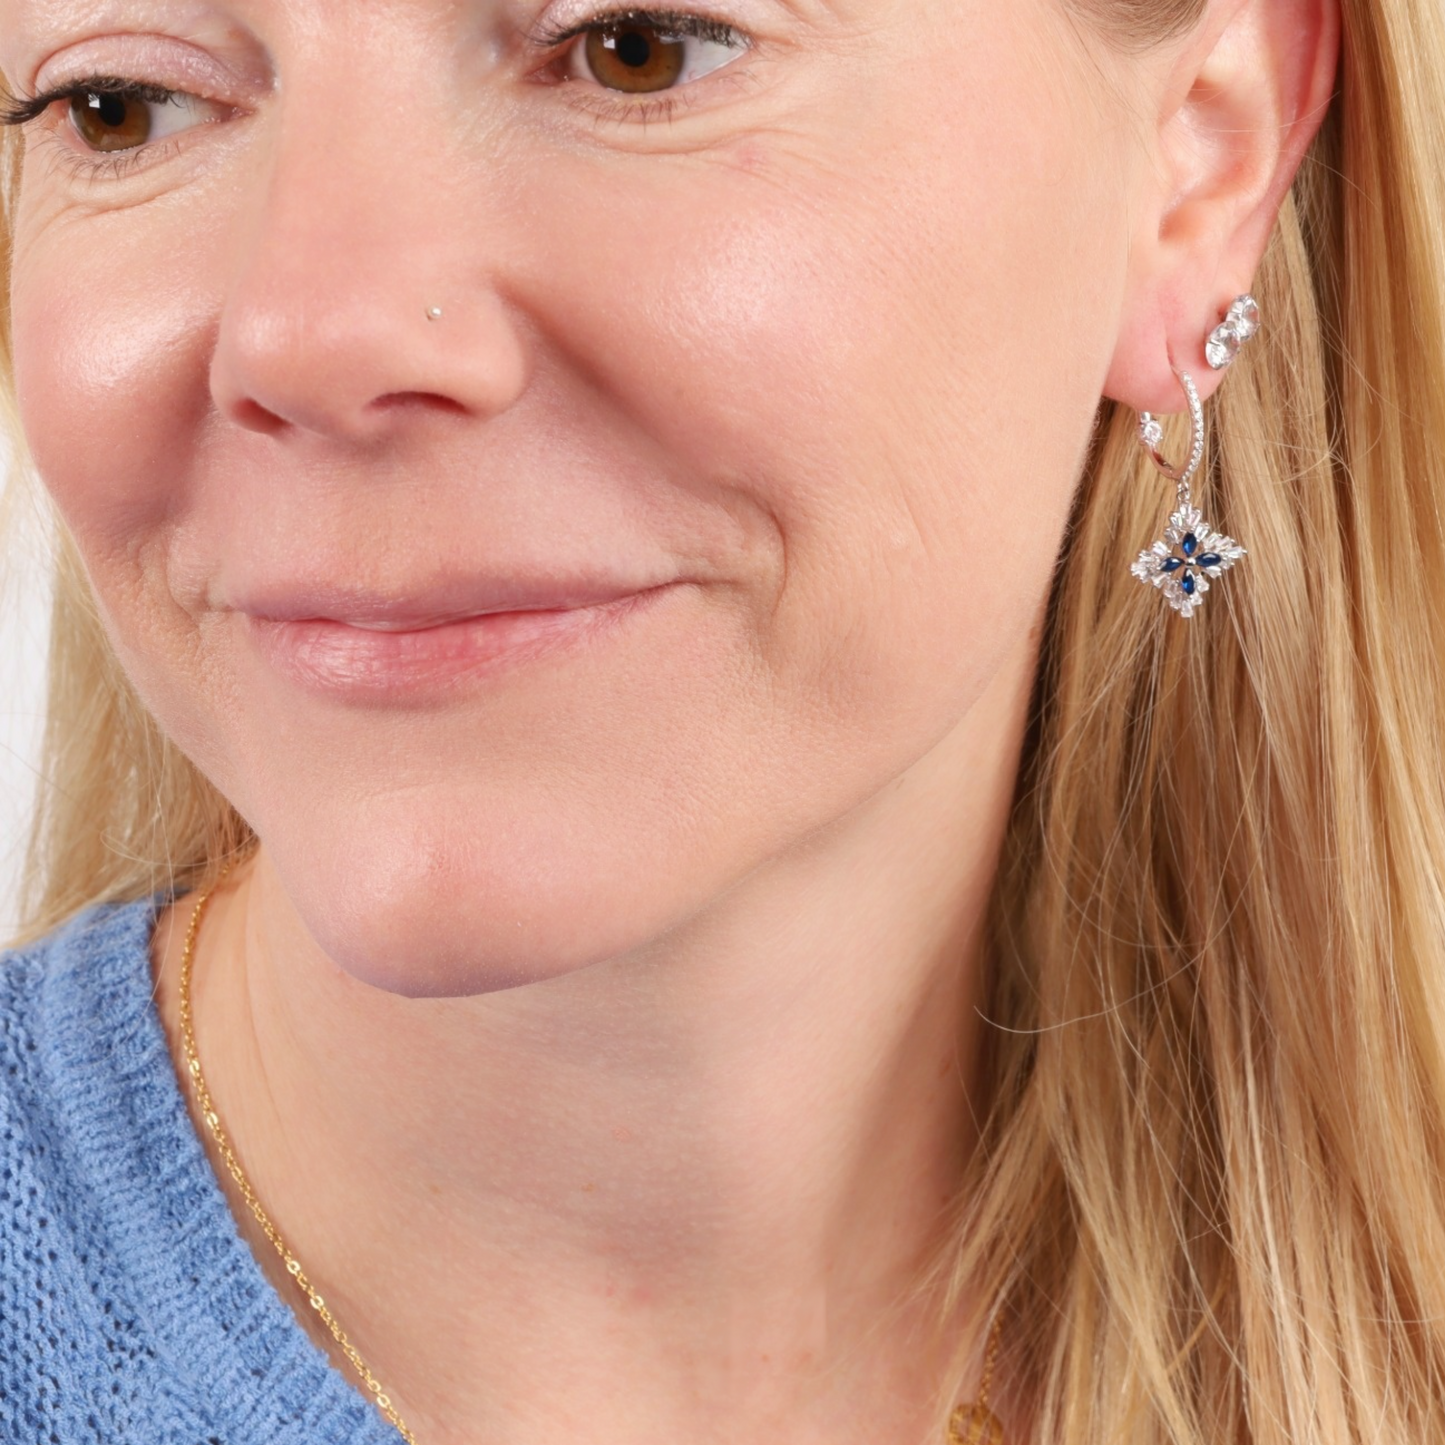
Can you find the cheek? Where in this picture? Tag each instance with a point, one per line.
(111, 316)
(110, 320)
(887, 344)
(114, 319)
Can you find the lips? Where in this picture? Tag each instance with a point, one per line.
(437, 604)
(364, 644)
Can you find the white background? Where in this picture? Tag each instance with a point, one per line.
(24, 613)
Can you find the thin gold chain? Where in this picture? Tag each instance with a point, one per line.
(964, 1417)
(986, 1384)
(213, 1122)
(974, 1423)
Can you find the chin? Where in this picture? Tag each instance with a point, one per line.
(442, 908)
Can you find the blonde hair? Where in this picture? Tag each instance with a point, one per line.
(1211, 1197)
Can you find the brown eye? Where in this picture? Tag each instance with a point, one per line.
(635, 57)
(645, 54)
(108, 120)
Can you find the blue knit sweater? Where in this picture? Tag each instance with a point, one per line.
(131, 1310)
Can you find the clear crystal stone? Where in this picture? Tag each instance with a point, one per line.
(1151, 431)
(1244, 317)
(1222, 346)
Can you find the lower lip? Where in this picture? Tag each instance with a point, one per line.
(334, 657)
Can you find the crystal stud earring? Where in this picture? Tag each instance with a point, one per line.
(1191, 553)
(1239, 324)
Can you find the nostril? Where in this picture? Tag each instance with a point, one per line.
(404, 401)
(254, 417)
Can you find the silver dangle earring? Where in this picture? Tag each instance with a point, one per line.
(1190, 553)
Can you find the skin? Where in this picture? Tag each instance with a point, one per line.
(602, 1030)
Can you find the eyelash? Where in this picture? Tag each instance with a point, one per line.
(21, 111)
(668, 22)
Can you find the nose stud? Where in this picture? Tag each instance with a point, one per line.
(433, 313)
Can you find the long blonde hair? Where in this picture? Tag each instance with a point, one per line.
(1211, 1197)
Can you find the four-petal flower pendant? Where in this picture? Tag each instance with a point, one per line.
(1181, 565)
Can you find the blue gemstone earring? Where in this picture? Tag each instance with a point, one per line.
(1181, 564)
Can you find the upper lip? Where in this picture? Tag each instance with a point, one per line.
(434, 604)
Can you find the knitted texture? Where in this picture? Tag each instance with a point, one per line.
(132, 1312)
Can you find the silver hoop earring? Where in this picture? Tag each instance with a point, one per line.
(1191, 553)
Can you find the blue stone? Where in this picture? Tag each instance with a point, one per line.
(1209, 559)
(1172, 564)
(1188, 584)
(1189, 544)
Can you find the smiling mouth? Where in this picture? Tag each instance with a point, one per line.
(379, 650)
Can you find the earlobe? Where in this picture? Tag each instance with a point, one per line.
(1240, 104)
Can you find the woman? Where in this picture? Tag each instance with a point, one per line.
(622, 855)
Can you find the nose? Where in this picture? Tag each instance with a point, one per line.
(361, 288)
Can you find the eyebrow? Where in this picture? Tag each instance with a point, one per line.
(28, 22)
(87, 13)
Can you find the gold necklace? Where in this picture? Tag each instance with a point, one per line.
(972, 1424)
(213, 1122)
(975, 1423)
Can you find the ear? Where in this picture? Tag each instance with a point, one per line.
(1235, 106)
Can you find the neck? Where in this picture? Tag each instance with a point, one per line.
(700, 1179)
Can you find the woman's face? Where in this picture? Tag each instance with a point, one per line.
(729, 477)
